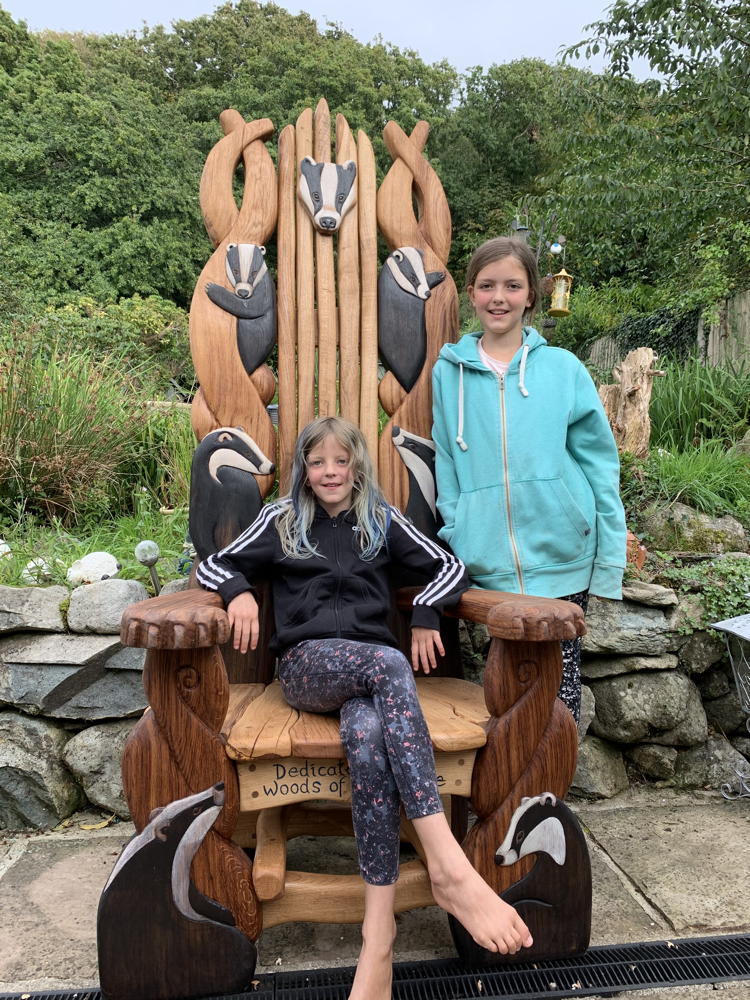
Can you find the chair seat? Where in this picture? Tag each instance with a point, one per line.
(260, 724)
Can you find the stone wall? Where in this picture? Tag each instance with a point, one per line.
(659, 703)
(69, 695)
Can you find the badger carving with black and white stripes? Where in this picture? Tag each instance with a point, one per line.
(252, 301)
(327, 191)
(403, 289)
(418, 455)
(224, 496)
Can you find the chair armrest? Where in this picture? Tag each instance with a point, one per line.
(512, 616)
(189, 619)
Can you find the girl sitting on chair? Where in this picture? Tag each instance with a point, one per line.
(328, 549)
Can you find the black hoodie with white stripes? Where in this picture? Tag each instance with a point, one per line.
(336, 593)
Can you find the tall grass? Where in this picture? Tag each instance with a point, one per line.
(709, 478)
(696, 403)
(68, 425)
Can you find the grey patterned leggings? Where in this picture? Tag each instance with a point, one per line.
(383, 732)
(570, 685)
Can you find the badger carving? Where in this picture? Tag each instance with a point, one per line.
(554, 898)
(252, 300)
(157, 936)
(403, 288)
(418, 455)
(224, 496)
(327, 191)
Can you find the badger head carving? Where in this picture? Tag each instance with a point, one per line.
(327, 191)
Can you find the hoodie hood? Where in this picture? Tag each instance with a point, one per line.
(465, 354)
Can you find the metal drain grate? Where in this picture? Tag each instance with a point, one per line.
(602, 971)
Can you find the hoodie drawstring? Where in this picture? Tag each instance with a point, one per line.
(522, 371)
(459, 439)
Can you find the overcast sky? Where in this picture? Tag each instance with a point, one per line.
(465, 32)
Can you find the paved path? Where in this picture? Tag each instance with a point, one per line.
(664, 865)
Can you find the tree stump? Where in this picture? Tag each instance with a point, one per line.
(626, 402)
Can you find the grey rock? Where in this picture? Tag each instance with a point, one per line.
(98, 607)
(94, 756)
(743, 446)
(742, 744)
(611, 666)
(709, 765)
(715, 682)
(680, 528)
(663, 707)
(601, 771)
(652, 760)
(588, 708)
(624, 627)
(32, 609)
(725, 714)
(175, 586)
(651, 594)
(71, 676)
(36, 789)
(701, 651)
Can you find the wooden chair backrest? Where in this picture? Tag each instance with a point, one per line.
(327, 289)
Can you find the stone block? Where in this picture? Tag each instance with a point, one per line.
(725, 714)
(624, 627)
(710, 765)
(36, 789)
(175, 586)
(679, 528)
(601, 771)
(701, 651)
(652, 594)
(35, 609)
(71, 676)
(611, 666)
(653, 761)
(98, 607)
(663, 707)
(94, 756)
(588, 708)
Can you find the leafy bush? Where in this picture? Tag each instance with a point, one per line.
(723, 584)
(695, 402)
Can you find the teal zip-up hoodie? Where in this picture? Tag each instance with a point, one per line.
(527, 472)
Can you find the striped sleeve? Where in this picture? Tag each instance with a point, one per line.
(447, 575)
(235, 568)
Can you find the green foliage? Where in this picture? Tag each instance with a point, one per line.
(67, 427)
(723, 584)
(29, 538)
(668, 331)
(161, 466)
(653, 181)
(596, 312)
(695, 403)
(708, 478)
(147, 332)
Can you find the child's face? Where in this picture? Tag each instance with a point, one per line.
(330, 475)
(500, 296)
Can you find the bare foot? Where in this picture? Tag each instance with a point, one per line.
(492, 923)
(374, 975)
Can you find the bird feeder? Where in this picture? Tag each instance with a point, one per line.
(561, 283)
(737, 637)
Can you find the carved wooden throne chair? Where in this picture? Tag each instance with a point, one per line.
(216, 717)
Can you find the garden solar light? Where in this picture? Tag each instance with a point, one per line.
(147, 553)
(737, 637)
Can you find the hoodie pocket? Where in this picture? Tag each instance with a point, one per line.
(480, 535)
(550, 527)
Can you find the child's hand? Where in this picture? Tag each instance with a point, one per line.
(424, 642)
(244, 620)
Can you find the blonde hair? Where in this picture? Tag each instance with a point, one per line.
(368, 504)
(505, 246)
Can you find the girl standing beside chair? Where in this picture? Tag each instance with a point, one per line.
(328, 549)
(526, 465)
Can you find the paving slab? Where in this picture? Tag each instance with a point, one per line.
(664, 865)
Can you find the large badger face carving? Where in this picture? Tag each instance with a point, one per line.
(327, 191)
(246, 267)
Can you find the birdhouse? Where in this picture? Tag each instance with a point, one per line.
(561, 283)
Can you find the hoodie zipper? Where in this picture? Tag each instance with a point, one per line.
(504, 438)
(334, 526)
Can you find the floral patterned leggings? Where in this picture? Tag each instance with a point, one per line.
(383, 732)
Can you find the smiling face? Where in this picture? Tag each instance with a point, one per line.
(500, 296)
(330, 475)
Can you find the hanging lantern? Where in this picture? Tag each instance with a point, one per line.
(561, 283)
